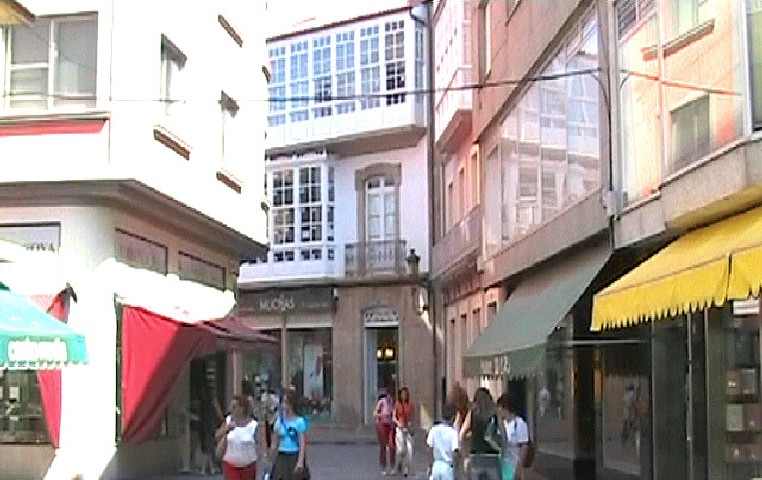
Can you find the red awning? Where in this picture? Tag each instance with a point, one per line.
(230, 331)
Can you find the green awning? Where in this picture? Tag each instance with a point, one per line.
(514, 342)
(31, 339)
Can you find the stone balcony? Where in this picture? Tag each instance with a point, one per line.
(383, 257)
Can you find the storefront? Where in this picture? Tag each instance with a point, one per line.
(696, 303)
(302, 318)
(382, 343)
(537, 344)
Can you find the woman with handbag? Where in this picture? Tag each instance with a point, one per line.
(290, 442)
(238, 441)
(402, 418)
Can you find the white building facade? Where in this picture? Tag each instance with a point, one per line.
(346, 181)
(133, 145)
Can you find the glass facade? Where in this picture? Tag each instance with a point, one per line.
(309, 369)
(554, 406)
(549, 143)
(263, 365)
(682, 85)
(21, 415)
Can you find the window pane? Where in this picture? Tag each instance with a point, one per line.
(30, 44)
(30, 81)
(755, 62)
(76, 59)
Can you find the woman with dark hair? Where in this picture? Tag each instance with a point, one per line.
(290, 441)
(241, 440)
(515, 433)
(385, 431)
(460, 400)
(483, 462)
(403, 418)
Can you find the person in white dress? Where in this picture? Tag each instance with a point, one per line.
(444, 443)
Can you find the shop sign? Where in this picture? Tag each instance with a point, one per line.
(380, 316)
(318, 299)
(138, 252)
(31, 351)
(494, 366)
(35, 238)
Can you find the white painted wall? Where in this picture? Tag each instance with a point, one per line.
(413, 200)
(128, 78)
(86, 260)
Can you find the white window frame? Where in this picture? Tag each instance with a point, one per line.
(51, 97)
(299, 80)
(310, 203)
(387, 187)
(277, 88)
(370, 67)
(345, 72)
(322, 80)
(281, 207)
(394, 62)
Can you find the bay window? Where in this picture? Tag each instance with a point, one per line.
(299, 86)
(321, 70)
(52, 63)
(277, 88)
(370, 71)
(394, 49)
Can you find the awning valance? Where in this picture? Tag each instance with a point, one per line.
(514, 342)
(31, 339)
(705, 267)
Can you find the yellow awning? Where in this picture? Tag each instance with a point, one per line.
(705, 267)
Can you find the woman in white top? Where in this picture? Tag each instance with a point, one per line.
(241, 437)
(515, 439)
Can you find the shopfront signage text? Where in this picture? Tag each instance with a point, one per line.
(494, 366)
(316, 299)
(35, 238)
(31, 351)
(380, 316)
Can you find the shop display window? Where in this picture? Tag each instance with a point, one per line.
(742, 398)
(263, 366)
(625, 409)
(310, 369)
(21, 415)
(554, 405)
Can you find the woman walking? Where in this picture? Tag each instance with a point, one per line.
(460, 400)
(483, 463)
(515, 439)
(290, 441)
(385, 432)
(402, 419)
(239, 439)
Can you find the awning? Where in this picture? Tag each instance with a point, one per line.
(230, 331)
(705, 267)
(514, 342)
(31, 339)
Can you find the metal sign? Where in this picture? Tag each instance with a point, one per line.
(380, 316)
(275, 301)
(33, 237)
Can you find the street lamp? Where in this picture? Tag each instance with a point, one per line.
(419, 289)
(12, 12)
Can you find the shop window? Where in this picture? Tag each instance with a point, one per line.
(262, 365)
(626, 422)
(309, 369)
(554, 415)
(21, 415)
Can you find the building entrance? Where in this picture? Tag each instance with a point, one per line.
(381, 365)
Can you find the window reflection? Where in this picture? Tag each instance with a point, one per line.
(550, 149)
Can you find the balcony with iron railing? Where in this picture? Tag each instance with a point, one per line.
(383, 257)
(460, 241)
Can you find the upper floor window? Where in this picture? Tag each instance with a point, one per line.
(52, 63)
(300, 83)
(277, 88)
(370, 70)
(172, 63)
(381, 208)
(311, 209)
(394, 45)
(485, 39)
(632, 12)
(283, 209)
(321, 73)
(754, 15)
(345, 71)
(687, 14)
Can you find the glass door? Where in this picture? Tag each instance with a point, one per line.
(381, 352)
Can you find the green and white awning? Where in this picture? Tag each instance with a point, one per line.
(31, 339)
